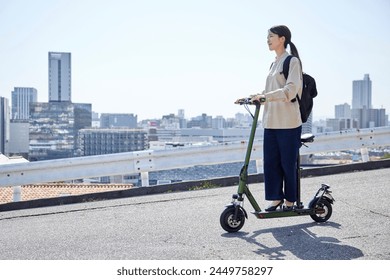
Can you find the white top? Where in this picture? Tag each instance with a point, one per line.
(279, 111)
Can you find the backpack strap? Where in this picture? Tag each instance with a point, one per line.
(286, 66)
(286, 69)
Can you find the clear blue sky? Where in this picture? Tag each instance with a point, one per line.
(153, 57)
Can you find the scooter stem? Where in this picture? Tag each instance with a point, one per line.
(242, 187)
(252, 135)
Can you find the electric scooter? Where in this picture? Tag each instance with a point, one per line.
(233, 217)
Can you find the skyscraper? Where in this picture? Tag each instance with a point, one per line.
(60, 77)
(21, 99)
(361, 93)
(4, 125)
(362, 110)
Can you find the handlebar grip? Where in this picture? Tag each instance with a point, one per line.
(249, 101)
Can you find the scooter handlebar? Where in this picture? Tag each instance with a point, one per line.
(248, 101)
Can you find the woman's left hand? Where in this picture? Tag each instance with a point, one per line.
(260, 98)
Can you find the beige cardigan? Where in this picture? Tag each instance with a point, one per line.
(279, 111)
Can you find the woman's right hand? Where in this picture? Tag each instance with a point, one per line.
(240, 100)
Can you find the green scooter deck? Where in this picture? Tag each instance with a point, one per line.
(282, 214)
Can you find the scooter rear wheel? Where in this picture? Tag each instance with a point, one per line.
(322, 208)
(229, 222)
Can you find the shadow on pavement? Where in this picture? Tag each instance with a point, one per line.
(299, 240)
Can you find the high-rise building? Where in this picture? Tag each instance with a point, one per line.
(54, 128)
(361, 93)
(218, 122)
(111, 140)
(182, 119)
(19, 138)
(4, 125)
(181, 114)
(343, 118)
(118, 120)
(21, 99)
(362, 110)
(368, 118)
(343, 111)
(60, 71)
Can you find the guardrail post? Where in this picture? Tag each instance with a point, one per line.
(259, 166)
(364, 153)
(17, 194)
(145, 179)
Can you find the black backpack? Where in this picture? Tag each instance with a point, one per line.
(309, 91)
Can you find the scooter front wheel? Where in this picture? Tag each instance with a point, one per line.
(232, 221)
(322, 210)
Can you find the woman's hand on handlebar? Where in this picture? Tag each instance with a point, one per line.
(242, 100)
(252, 99)
(258, 98)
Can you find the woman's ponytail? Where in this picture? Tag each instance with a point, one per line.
(294, 50)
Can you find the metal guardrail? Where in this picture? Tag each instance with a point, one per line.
(146, 161)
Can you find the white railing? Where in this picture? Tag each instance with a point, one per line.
(146, 161)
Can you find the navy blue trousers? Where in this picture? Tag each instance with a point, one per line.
(281, 150)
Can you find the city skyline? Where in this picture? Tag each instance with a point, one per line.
(152, 59)
(361, 97)
(59, 77)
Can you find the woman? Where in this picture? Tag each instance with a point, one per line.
(282, 122)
